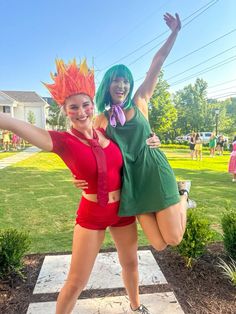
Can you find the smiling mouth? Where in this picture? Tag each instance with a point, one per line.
(82, 119)
(120, 93)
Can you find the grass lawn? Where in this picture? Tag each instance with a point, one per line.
(6, 154)
(37, 195)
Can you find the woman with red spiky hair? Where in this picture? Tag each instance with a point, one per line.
(89, 154)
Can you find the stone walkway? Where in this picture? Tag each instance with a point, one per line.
(28, 152)
(105, 275)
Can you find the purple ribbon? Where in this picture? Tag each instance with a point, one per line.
(117, 115)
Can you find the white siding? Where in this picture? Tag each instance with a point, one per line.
(20, 110)
(37, 113)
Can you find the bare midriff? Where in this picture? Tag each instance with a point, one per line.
(113, 196)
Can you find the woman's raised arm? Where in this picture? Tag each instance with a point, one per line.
(32, 134)
(146, 89)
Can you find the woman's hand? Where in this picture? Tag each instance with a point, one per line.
(80, 184)
(146, 89)
(173, 22)
(153, 141)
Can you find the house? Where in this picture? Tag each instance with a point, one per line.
(24, 105)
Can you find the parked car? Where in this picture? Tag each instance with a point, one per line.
(204, 135)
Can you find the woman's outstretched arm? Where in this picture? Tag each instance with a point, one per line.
(146, 89)
(32, 134)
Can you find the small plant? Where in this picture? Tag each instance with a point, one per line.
(228, 222)
(31, 117)
(13, 246)
(228, 270)
(196, 237)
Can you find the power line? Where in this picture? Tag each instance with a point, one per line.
(234, 80)
(132, 29)
(222, 96)
(215, 66)
(194, 51)
(222, 89)
(200, 13)
(204, 46)
(166, 38)
(205, 61)
(208, 5)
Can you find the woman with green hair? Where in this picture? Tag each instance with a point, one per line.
(149, 188)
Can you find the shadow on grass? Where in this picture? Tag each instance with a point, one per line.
(44, 203)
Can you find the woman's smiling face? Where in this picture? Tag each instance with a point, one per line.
(79, 109)
(119, 90)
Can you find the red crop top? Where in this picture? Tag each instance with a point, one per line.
(80, 159)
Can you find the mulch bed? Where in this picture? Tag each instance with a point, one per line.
(199, 290)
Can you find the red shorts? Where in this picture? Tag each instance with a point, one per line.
(90, 215)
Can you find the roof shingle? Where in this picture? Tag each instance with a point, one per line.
(23, 96)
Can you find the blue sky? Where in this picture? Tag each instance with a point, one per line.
(34, 33)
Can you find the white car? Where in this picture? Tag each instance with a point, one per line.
(204, 135)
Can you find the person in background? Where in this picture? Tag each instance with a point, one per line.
(15, 141)
(192, 145)
(22, 143)
(220, 145)
(212, 144)
(232, 161)
(1, 138)
(198, 147)
(6, 140)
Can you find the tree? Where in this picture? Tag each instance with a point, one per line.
(230, 107)
(226, 117)
(55, 118)
(31, 117)
(162, 112)
(194, 112)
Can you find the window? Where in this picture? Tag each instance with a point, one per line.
(6, 109)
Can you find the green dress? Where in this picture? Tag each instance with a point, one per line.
(212, 142)
(149, 183)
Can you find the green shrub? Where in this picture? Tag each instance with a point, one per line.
(228, 222)
(174, 146)
(175, 142)
(168, 142)
(196, 237)
(13, 246)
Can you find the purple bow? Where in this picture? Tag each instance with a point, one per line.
(117, 114)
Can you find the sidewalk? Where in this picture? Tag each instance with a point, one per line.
(28, 152)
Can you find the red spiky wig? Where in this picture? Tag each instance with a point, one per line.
(71, 79)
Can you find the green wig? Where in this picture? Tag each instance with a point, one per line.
(103, 97)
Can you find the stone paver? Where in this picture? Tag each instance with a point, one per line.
(28, 152)
(105, 274)
(157, 303)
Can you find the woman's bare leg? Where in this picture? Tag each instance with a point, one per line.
(172, 221)
(126, 242)
(152, 231)
(167, 226)
(86, 245)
